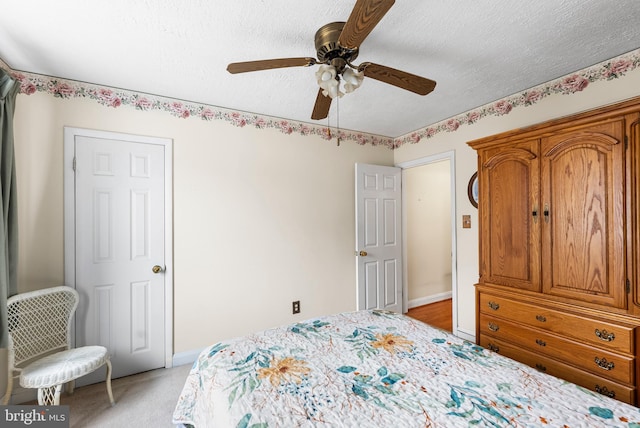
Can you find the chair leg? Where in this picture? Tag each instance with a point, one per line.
(7, 394)
(109, 383)
(71, 386)
(49, 396)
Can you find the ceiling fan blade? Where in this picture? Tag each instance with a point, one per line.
(268, 64)
(321, 107)
(401, 79)
(364, 17)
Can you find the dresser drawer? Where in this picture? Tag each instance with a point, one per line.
(614, 366)
(601, 333)
(561, 370)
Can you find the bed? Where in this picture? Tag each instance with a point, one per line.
(378, 369)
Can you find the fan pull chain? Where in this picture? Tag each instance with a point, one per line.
(338, 120)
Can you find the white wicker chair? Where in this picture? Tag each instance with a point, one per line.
(39, 344)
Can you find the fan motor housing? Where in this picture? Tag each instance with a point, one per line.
(327, 47)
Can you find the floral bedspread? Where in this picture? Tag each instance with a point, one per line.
(379, 369)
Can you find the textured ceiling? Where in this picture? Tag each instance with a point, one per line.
(477, 51)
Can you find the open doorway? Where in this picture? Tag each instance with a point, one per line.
(429, 234)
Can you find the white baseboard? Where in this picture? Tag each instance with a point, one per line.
(471, 337)
(188, 357)
(429, 299)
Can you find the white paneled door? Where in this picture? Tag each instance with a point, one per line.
(379, 237)
(120, 250)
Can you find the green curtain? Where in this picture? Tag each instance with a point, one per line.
(8, 201)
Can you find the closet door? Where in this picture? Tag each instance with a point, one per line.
(583, 214)
(510, 216)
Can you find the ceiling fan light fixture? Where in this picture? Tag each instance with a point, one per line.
(328, 80)
(352, 79)
(332, 90)
(326, 73)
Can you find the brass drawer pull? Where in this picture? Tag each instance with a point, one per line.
(541, 342)
(604, 335)
(493, 305)
(604, 364)
(493, 348)
(493, 327)
(605, 391)
(541, 367)
(541, 318)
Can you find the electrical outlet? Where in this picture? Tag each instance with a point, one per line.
(296, 307)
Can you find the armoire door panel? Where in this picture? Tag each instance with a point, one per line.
(633, 246)
(583, 229)
(510, 238)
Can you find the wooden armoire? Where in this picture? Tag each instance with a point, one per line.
(559, 225)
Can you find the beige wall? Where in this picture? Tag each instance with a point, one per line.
(596, 94)
(427, 193)
(260, 218)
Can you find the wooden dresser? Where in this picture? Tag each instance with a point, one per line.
(560, 250)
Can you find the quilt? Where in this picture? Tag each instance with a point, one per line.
(379, 369)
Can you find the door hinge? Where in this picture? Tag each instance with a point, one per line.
(628, 286)
(626, 142)
(74, 164)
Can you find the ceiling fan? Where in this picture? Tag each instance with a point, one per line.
(337, 45)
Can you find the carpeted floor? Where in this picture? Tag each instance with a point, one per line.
(143, 400)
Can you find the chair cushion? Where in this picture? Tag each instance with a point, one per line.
(63, 366)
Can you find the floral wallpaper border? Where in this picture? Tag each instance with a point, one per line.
(570, 84)
(31, 83)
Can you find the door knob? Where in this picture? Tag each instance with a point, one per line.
(362, 253)
(157, 269)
